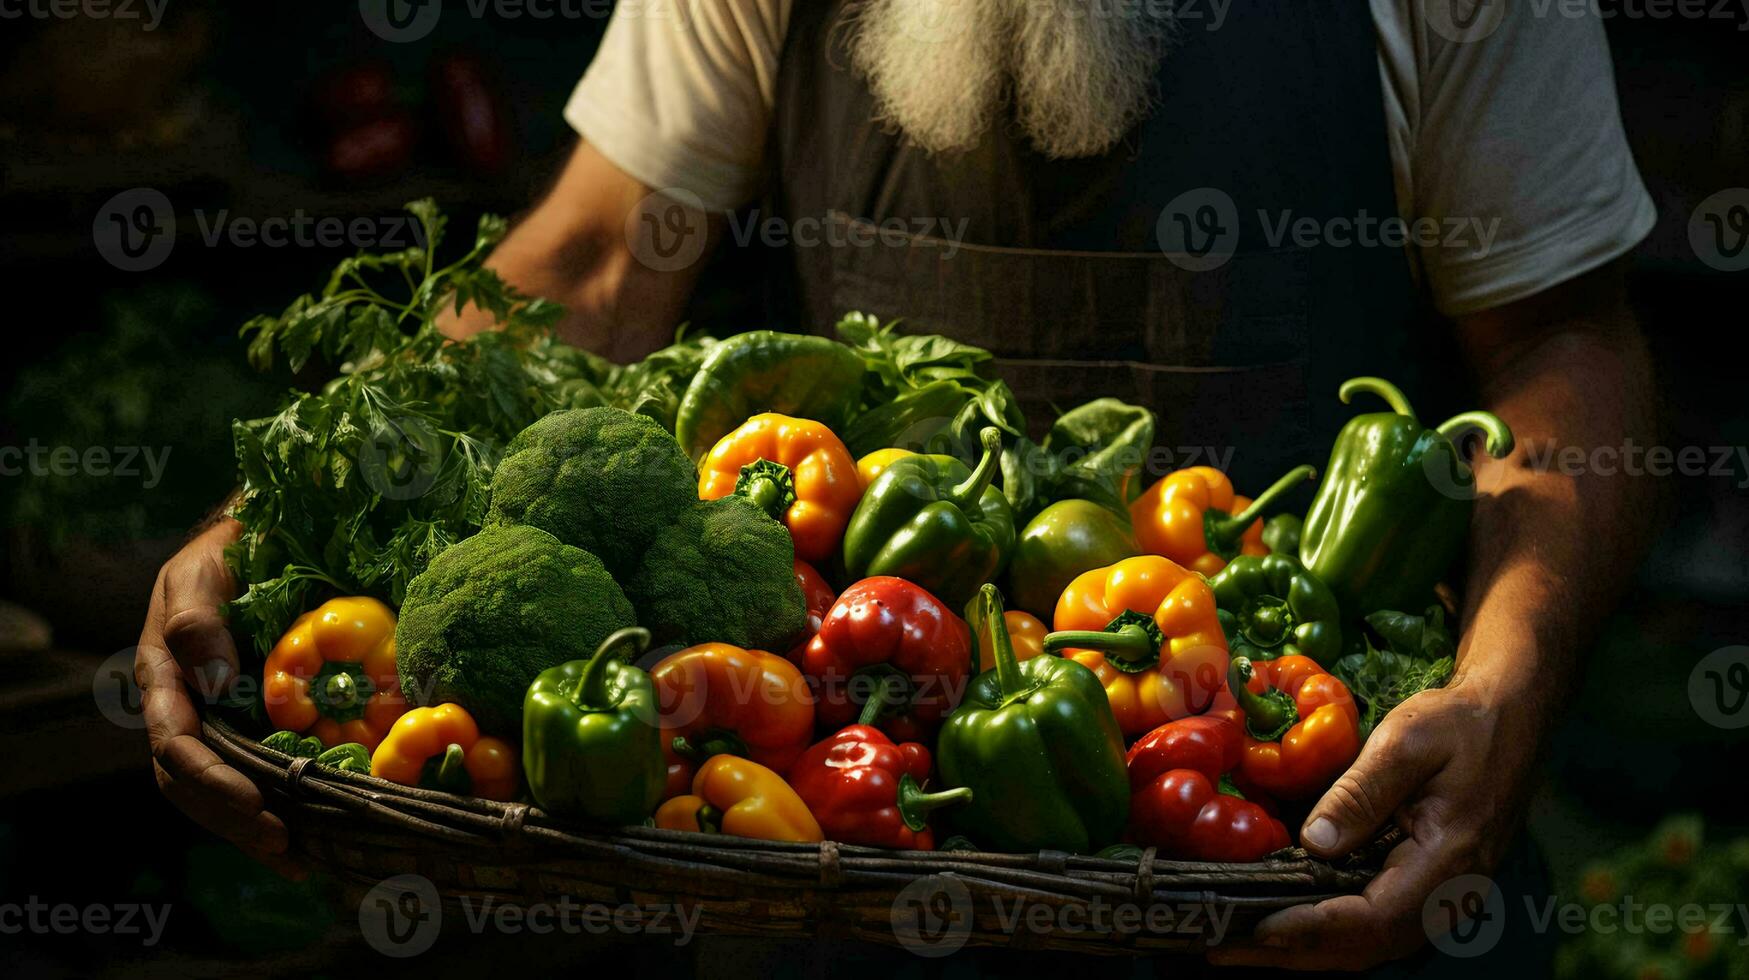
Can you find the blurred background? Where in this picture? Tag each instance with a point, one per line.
(282, 112)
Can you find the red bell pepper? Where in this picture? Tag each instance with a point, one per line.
(1301, 726)
(865, 789)
(817, 594)
(883, 628)
(1178, 803)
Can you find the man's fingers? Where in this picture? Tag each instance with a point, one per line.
(1394, 763)
(1351, 931)
(214, 794)
(193, 627)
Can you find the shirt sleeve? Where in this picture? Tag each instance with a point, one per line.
(680, 94)
(1508, 141)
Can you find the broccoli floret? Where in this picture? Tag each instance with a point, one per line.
(493, 611)
(600, 479)
(723, 572)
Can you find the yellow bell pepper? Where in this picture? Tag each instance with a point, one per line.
(1148, 628)
(1026, 633)
(332, 675)
(874, 463)
(735, 796)
(794, 469)
(442, 748)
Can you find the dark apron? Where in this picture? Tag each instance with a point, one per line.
(1063, 274)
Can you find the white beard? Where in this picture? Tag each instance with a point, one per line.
(1079, 73)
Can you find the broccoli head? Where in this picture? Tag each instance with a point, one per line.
(493, 611)
(600, 479)
(723, 572)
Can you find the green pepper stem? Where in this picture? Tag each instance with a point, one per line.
(1129, 643)
(1499, 435)
(877, 700)
(1377, 386)
(987, 608)
(592, 686)
(769, 484)
(1223, 533)
(341, 690)
(966, 495)
(452, 770)
(712, 743)
(915, 805)
(1268, 715)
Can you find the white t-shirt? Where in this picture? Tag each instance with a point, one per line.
(1520, 125)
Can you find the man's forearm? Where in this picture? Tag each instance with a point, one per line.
(581, 246)
(1553, 545)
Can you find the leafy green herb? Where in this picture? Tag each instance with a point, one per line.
(353, 487)
(1403, 654)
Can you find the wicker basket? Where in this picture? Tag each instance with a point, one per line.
(366, 830)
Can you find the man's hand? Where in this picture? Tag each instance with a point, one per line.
(1453, 768)
(1549, 552)
(185, 646)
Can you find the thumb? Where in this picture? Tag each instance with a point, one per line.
(1393, 764)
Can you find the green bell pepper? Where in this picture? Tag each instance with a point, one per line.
(766, 371)
(1392, 513)
(1065, 539)
(1270, 606)
(591, 746)
(931, 520)
(1281, 534)
(1038, 744)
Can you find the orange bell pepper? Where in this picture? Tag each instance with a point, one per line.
(796, 469)
(1147, 627)
(332, 675)
(740, 798)
(1026, 634)
(1189, 516)
(717, 699)
(442, 748)
(1301, 730)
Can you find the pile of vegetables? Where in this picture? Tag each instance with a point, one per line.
(808, 541)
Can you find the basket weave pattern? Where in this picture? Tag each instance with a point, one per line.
(364, 830)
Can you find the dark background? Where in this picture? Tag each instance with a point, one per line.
(215, 109)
